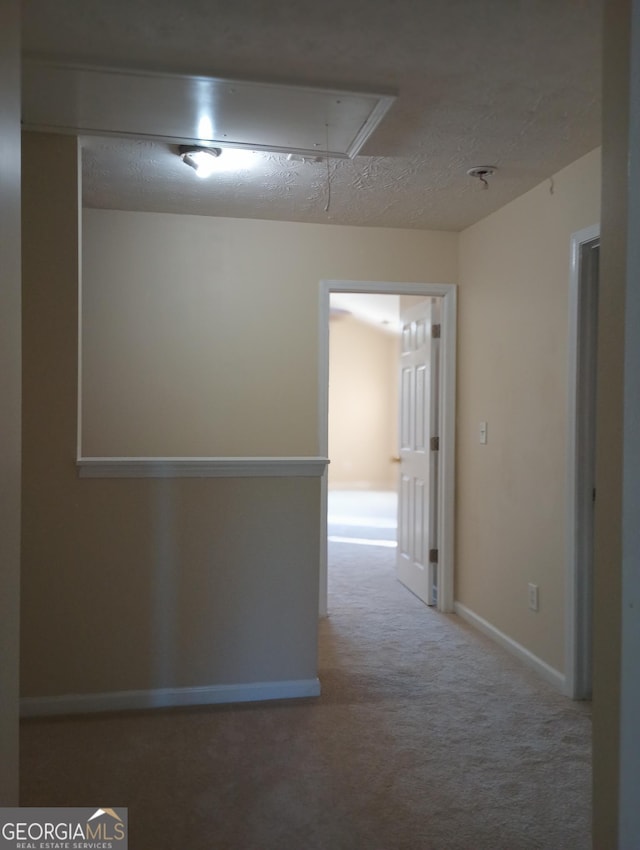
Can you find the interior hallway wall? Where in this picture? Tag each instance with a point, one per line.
(512, 373)
(10, 381)
(363, 406)
(616, 681)
(201, 334)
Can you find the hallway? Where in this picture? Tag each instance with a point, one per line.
(426, 737)
(482, 753)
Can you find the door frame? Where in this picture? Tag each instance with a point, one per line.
(582, 349)
(446, 482)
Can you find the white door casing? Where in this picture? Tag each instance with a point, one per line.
(582, 344)
(416, 559)
(447, 293)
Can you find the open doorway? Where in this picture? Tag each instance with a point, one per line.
(363, 391)
(386, 471)
(363, 419)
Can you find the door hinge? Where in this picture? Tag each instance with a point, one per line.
(433, 556)
(435, 331)
(434, 444)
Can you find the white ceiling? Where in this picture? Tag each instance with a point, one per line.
(381, 311)
(510, 83)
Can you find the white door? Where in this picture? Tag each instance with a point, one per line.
(417, 553)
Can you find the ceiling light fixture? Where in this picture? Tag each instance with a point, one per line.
(201, 159)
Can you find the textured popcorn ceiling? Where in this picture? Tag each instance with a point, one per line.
(511, 83)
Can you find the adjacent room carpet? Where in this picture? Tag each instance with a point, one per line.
(426, 737)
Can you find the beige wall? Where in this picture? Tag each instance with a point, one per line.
(363, 406)
(201, 334)
(10, 395)
(629, 747)
(512, 373)
(609, 454)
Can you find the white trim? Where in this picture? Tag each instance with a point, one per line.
(549, 673)
(92, 78)
(323, 602)
(168, 697)
(446, 494)
(578, 619)
(80, 210)
(384, 104)
(201, 467)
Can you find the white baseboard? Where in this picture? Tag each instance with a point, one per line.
(550, 674)
(168, 697)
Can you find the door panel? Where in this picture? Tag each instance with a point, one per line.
(417, 505)
(420, 514)
(404, 496)
(422, 390)
(405, 409)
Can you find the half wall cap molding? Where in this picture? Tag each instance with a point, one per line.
(201, 467)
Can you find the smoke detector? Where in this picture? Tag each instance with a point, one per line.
(481, 172)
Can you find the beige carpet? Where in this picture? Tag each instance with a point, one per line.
(426, 736)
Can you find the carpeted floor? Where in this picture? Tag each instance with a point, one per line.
(426, 737)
